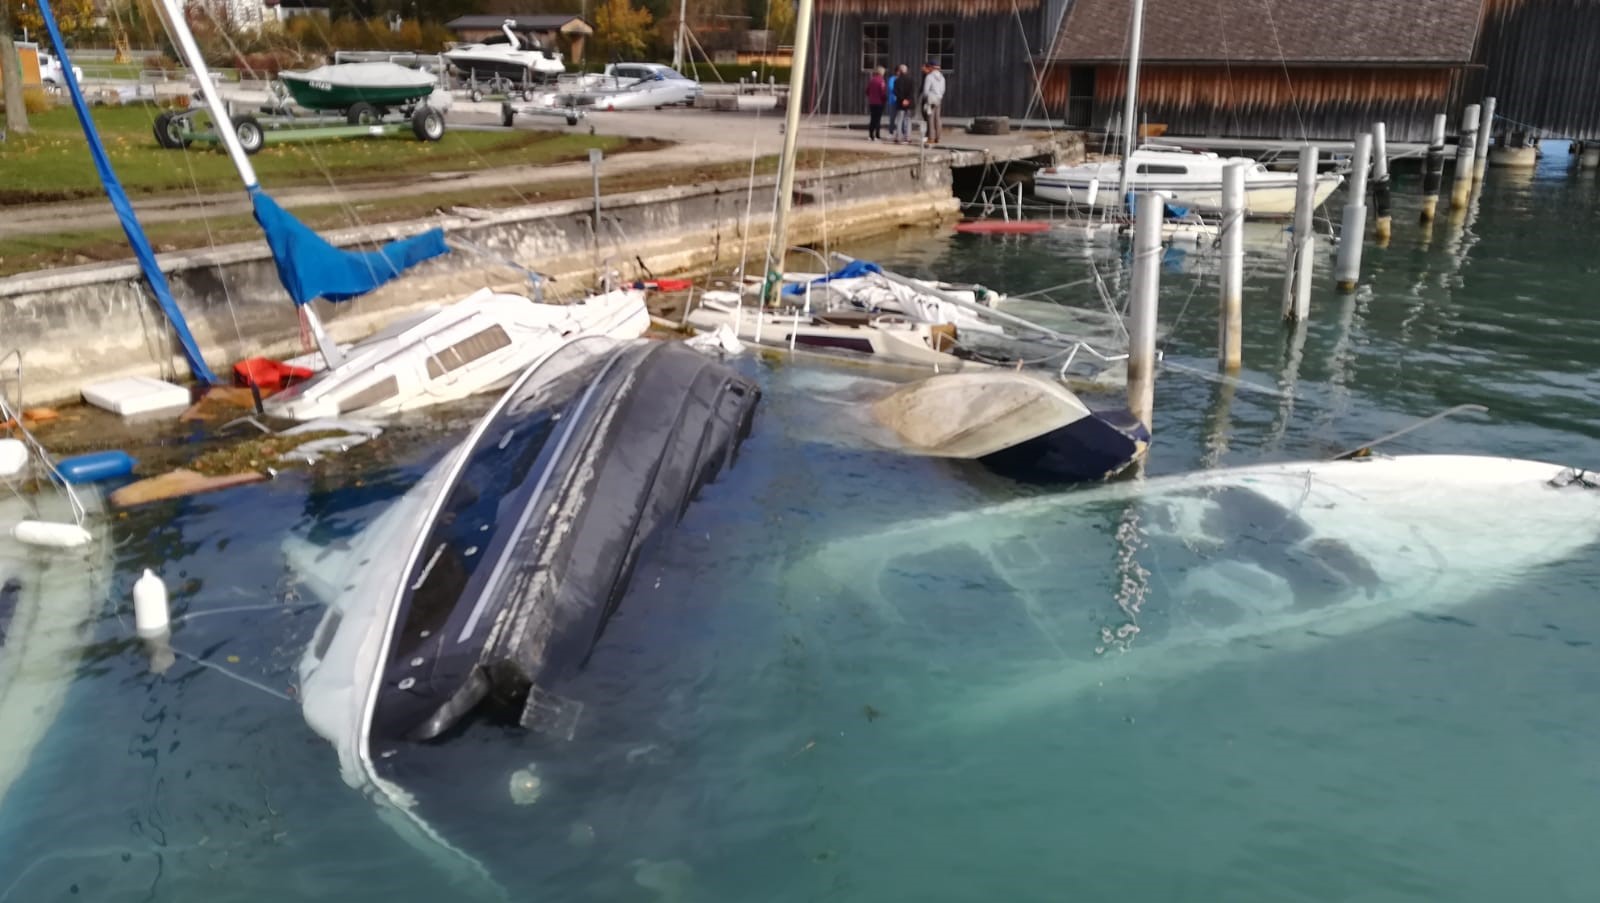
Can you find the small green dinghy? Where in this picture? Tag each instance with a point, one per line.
(343, 86)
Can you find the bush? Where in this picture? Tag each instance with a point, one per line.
(36, 100)
(732, 72)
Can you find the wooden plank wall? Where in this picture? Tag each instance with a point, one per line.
(992, 76)
(1325, 103)
(1542, 65)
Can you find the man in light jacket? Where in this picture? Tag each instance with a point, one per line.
(932, 101)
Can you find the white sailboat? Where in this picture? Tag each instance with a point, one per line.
(474, 345)
(1184, 178)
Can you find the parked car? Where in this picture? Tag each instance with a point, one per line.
(50, 71)
(680, 84)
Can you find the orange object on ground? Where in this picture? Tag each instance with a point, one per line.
(264, 373)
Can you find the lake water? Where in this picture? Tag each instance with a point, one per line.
(761, 735)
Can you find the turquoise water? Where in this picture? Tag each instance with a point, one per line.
(759, 733)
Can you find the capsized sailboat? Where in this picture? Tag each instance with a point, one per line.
(1173, 574)
(1186, 178)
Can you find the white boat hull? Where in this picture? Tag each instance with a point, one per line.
(1269, 200)
(1186, 178)
(889, 338)
(478, 344)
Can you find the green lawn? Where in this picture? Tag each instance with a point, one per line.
(52, 163)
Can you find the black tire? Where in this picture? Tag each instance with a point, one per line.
(251, 136)
(990, 125)
(362, 113)
(427, 124)
(166, 135)
(572, 119)
(507, 115)
(476, 95)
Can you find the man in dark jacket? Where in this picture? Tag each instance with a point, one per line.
(904, 91)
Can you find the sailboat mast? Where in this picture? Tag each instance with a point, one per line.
(1130, 100)
(680, 44)
(178, 28)
(791, 137)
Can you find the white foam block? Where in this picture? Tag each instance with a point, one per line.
(134, 395)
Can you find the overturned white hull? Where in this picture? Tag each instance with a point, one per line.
(1158, 578)
(477, 344)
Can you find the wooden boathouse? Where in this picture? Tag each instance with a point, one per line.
(1541, 63)
(1319, 69)
(989, 50)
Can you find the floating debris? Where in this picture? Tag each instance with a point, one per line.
(526, 785)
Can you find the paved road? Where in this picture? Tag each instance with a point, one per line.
(703, 137)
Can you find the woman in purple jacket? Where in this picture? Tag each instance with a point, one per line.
(877, 96)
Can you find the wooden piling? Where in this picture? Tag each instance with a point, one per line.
(1466, 152)
(1433, 170)
(1143, 291)
(1230, 320)
(1347, 269)
(1302, 246)
(1380, 183)
(1480, 161)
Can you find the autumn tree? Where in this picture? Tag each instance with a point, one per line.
(622, 28)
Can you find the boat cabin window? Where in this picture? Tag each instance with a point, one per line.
(468, 350)
(380, 391)
(1162, 169)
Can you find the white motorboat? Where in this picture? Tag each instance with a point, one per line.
(1186, 178)
(511, 56)
(873, 292)
(658, 86)
(885, 337)
(477, 344)
(1155, 579)
(483, 590)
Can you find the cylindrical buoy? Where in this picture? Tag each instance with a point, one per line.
(104, 465)
(150, 617)
(50, 534)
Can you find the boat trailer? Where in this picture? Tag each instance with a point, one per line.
(278, 123)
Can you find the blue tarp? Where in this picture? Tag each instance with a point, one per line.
(119, 202)
(309, 267)
(852, 270)
(1171, 211)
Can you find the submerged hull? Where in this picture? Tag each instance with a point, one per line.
(891, 339)
(47, 596)
(481, 592)
(1174, 574)
(1273, 198)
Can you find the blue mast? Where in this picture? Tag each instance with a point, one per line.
(119, 201)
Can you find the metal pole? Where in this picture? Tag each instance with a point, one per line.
(1466, 153)
(1130, 100)
(1302, 248)
(1230, 321)
(786, 163)
(595, 156)
(1485, 138)
(1144, 291)
(677, 41)
(1433, 172)
(178, 28)
(1380, 182)
(1347, 269)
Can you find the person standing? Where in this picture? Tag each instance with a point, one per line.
(901, 93)
(932, 102)
(877, 96)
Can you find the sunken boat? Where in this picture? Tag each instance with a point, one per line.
(483, 590)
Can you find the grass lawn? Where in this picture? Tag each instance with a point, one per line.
(52, 163)
(27, 253)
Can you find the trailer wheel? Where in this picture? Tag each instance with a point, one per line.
(572, 119)
(251, 136)
(507, 115)
(428, 124)
(361, 113)
(170, 132)
(476, 95)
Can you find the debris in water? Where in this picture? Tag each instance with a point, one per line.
(871, 713)
(526, 786)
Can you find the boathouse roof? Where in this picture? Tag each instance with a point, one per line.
(557, 22)
(1322, 32)
(958, 8)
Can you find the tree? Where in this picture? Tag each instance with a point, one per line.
(621, 28)
(72, 16)
(11, 74)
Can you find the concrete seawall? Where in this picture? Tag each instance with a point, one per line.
(82, 324)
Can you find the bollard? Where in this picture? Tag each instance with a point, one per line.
(1347, 269)
(1589, 157)
(1143, 290)
(1433, 170)
(1302, 247)
(1380, 183)
(1480, 160)
(1230, 320)
(1466, 152)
